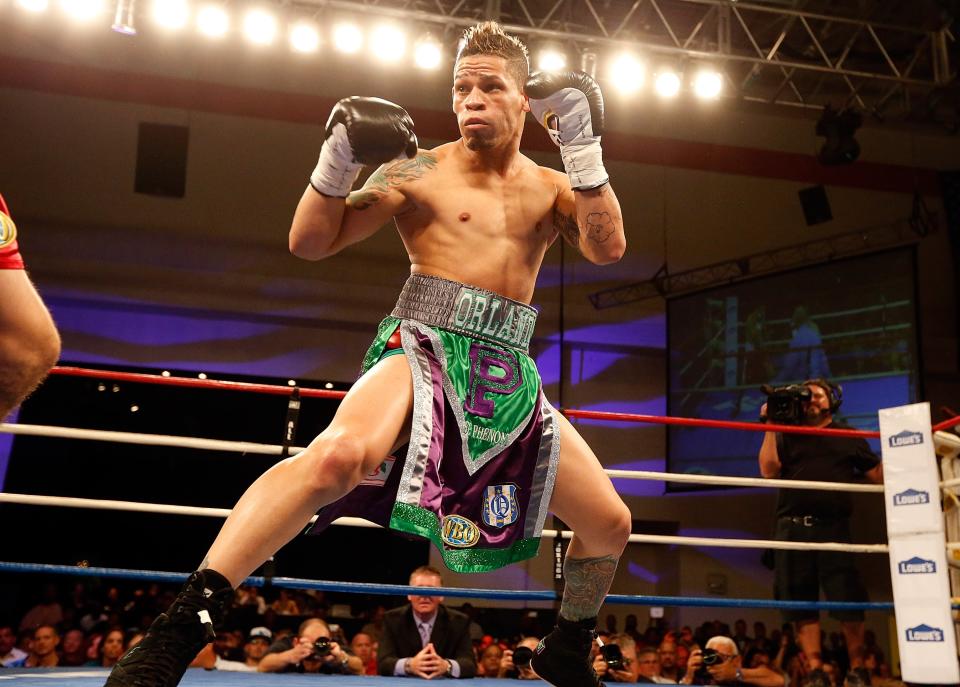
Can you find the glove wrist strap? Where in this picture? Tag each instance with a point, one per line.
(336, 171)
(583, 163)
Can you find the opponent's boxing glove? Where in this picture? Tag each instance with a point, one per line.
(570, 107)
(361, 131)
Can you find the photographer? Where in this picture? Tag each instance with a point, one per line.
(720, 664)
(515, 663)
(311, 651)
(617, 660)
(807, 515)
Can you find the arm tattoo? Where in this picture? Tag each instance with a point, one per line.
(587, 583)
(567, 227)
(599, 226)
(391, 176)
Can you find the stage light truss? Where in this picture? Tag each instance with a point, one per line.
(890, 62)
(665, 284)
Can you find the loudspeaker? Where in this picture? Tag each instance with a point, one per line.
(816, 206)
(161, 160)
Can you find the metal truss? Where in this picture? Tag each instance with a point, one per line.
(664, 284)
(890, 58)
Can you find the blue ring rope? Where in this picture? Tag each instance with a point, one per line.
(469, 593)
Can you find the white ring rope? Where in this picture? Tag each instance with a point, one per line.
(168, 509)
(276, 450)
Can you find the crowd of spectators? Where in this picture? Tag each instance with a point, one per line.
(280, 633)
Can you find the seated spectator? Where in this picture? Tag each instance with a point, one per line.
(10, 655)
(311, 651)
(43, 649)
(285, 604)
(489, 663)
(740, 637)
(111, 648)
(47, 612)
(247, 595)
(755, 658)
(424, 638)
(623, 668)
(374, 628)
(667, 654)
(364, 648)
(720, 664)
(73, 648)
(649, 669)
(515, 663)
(254, 649)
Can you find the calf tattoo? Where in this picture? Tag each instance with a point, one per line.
(587, 583)
(391, 175)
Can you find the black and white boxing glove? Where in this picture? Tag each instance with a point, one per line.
(569, 105)
(361, 131)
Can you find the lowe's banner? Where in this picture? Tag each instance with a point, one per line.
(918, 564)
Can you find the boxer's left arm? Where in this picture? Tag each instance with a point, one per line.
(590, 221)
(587, 213)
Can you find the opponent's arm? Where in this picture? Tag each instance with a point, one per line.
(360, 131)
(587, 213)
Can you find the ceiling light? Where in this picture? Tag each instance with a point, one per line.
(172, 14)
(667, 83)
(213, 21)
(347, 38)
(304, 37)
(707, 84)
(388, 43)
(260, 27)
(626, 72)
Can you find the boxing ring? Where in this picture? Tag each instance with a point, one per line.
(950, 486)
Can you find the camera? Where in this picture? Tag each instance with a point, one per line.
(613, 656)
(785, 403)
(711, 657)
(522, 656)
(321, 647)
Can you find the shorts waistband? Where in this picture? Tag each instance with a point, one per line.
(467, 310)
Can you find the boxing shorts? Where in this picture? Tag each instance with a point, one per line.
(477, 475)
(9, 252)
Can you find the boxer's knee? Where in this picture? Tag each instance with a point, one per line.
(334, 460)
(619, 523)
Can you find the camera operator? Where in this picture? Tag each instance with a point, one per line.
(311, 651)
(808, 515)
(721, 664)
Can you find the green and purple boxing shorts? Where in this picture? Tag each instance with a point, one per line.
(478, 473)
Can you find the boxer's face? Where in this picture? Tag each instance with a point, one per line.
(489, 104)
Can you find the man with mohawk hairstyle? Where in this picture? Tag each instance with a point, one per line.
(449, 374)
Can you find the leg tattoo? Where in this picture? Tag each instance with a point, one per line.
(587, 583)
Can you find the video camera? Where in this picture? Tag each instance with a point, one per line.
(785, 403)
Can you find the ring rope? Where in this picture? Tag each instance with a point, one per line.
(277, 450)
(471, 593)
(170, 509)
(569, 412)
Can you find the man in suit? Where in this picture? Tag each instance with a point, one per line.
(424, 638)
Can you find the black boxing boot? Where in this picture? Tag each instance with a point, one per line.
(562, 657)
(176, 636)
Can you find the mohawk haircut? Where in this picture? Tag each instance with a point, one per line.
(489, 38)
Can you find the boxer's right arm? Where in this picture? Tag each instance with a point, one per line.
(360, 131)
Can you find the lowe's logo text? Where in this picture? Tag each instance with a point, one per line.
(924, 633)
(906, 438)
(916, 566)
(911, 497)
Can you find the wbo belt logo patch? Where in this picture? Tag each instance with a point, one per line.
(8, 230)
(911, 497)
(905, 438)
(924, 633)
(459, 532)
(500, 507)
(916, 566)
